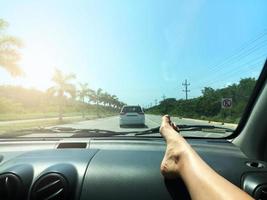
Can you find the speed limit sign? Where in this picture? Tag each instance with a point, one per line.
(227, 102)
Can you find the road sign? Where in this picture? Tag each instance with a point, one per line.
(227, 102)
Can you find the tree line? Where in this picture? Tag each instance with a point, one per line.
(208, 105)
(61, 95)
(63, 88)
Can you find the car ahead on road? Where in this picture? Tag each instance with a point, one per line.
(132, 115)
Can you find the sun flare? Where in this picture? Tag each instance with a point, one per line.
(38, 67)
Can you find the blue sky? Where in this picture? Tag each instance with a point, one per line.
(139, 50)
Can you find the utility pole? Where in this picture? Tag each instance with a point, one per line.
(186, 84)
(156, 102)
(163, 97)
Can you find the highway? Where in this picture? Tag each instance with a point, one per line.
(112, 123)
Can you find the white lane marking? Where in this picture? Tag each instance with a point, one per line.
(211, 122)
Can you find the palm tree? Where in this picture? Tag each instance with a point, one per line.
(121, 104)
(110, 100)
(9, 55)
(99, 96)
(114, 100)
(105, 97)
(92, 96)
(61, 88)
(83, 93)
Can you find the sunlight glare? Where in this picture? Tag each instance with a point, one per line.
(38, 66)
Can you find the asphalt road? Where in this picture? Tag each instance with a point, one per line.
(152, 121)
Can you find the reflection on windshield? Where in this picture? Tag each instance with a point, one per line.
(120, 65)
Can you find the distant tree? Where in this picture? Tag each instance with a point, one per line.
(105, 98)
(114, 101)
(99, 96)
(167, 105)
(121, 104)
(9, 55)
(109, 100)
(208, 105)
(62, 87)
(92, 96)
(83, 93)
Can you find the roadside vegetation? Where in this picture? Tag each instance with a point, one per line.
(65, 102)
(9, 51)
(208, 105)
(22, 108)
(22, 103)
(63, 99)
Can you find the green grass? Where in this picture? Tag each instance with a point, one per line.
(218, 118)
(8, 128)
(37, 115)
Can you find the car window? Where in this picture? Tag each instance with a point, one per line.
(131, 109)
(68, 65)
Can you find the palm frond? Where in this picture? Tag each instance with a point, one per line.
(58, 77)
(70, 89)
(10, 41)
(69, 77)
(3, 24)
(9, 54)
(11, 67)
(51, 91)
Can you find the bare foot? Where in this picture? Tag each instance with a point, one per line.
(176, 148)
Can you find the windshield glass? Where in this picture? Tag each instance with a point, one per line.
(120, 65)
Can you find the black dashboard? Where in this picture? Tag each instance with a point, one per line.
(112, 168)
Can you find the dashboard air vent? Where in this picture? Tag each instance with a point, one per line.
(261, 192)
(52, 186)
(10, 187)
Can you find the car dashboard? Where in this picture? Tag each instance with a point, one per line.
(112, 168)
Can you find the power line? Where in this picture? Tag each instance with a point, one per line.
(237, 63)
(186, 84)
(244, 54)
(235, 70)
(229, 75)
(246, 66)
(247, 49)
(239, 50)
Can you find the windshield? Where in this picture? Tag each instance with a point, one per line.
(120, 65)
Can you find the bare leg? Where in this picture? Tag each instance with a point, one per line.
(202, 182)
(175, 151)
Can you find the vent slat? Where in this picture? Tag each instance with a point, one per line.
(47, 186)
(54, 195)
(50, 186)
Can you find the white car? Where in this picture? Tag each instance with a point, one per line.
(132, 115)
